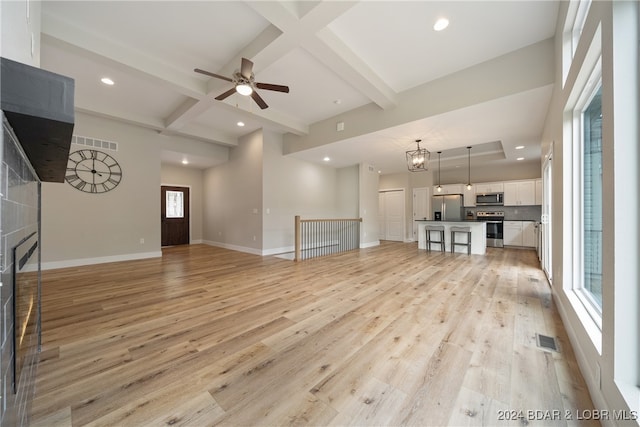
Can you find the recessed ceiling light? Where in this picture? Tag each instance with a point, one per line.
(326, 158)
(519, 147)
(185, 161)
(441, 24)
(520, 158)
(107, 81)
(240, 124)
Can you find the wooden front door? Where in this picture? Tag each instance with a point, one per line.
(175, 215)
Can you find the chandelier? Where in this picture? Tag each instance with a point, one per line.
(418, 160)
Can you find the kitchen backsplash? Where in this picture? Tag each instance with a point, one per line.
(512, 213)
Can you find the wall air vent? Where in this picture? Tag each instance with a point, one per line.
(94, 142)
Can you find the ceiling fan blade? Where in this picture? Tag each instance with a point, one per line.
(269, 86)
(259, 100)
(217, 76)
(226, 94)
(246, 68)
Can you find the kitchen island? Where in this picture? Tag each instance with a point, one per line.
(478, 235)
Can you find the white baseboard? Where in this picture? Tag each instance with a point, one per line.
(369, 244)
(245, 249)
(273, 251)
(196, 242)
(276, 251)
(596, 394)
(98, 260)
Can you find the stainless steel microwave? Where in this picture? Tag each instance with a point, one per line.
(490, 199)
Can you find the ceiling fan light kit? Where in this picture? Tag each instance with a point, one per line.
(245, 84)
(418, 160)
(244, 89)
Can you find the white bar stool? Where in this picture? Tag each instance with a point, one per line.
(440, 230)
(455, 230)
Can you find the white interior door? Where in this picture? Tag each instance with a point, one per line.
(420, 208)
(392, 205)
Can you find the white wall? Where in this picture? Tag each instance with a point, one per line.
(294, 187)
(347, 192)
(183, 176)
(368, 205)
(233, 198)
(80, 228)
(520, 170)
(20, 39)
(260, 191)
(609, 357)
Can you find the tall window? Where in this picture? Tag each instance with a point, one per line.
(591, 160)
(573, 26)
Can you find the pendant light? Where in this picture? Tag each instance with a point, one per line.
(469, 168)
(418, 160)
(439, 188)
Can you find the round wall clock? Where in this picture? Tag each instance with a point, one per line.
(93, 171)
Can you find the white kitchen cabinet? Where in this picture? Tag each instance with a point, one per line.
(529, 234)
(489, 187)
(519, 193)
(538, 192)
(512, 233)
(469, 196)
(519, 233)
(448, 189)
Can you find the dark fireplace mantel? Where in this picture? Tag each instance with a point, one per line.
(39, 106)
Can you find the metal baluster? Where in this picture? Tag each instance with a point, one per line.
(305, 239)
(344, 237)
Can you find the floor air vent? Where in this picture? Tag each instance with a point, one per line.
(547, 343)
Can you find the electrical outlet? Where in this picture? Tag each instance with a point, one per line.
(142, 240)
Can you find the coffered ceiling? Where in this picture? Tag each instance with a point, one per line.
(336, 56)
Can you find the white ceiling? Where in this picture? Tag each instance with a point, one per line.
(334, 55)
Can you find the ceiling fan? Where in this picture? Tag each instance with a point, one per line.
(245, 84)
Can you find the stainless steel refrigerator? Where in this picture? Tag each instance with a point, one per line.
(447, 207)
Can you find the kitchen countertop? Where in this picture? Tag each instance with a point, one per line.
(478, 235)
(461, 220)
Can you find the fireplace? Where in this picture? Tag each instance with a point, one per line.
(26, 285)
(37, 124)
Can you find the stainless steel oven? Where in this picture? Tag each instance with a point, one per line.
(495, 224)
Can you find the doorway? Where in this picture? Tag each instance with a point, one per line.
(391, 215)
(174, 215)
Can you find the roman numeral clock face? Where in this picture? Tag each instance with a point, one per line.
(93, 171)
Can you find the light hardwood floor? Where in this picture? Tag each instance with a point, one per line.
(389, 335)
